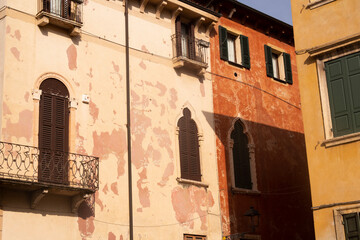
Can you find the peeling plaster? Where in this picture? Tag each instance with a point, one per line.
(144, 195)
(16, 53)
(79, 148)
(142, 65)
(107, 143)
(23, 128)
(98, 201)
(26, 96)
(18, 35)
(8, 29)
(111, 236)
(85, 221)
(143, 48)
(6, 109)
(169, 171)
(94, 111)
(72, 57)
(173, 98)
(105, 189)
(114, 188)
(164, 141)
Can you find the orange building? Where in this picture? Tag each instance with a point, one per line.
(260, 139)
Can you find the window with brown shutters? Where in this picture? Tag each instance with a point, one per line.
(189, 147)
(53, 132)
(241, 157)
(194, 237)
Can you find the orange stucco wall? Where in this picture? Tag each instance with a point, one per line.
(271, 112)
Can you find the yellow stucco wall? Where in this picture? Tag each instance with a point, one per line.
(333, 170)
(95, 65)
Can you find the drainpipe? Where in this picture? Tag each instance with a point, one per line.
(131, 226)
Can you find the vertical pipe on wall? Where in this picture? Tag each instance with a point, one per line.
(131, 227)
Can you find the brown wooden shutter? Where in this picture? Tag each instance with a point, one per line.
(178, 36)
(53, 132)
(191, 39)
(189, 148)
(46, 5)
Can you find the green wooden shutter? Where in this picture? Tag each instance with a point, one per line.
(268, 61)
(351, 225)
(245, 51)
(353, 71)
(241, 158)
(223, 43)
(287, 66)
(338, 87)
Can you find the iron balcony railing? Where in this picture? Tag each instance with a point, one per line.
(190, 48)
(38, 166)
(68, 9)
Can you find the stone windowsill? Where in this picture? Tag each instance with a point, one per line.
(192, 182)
(341, 140)
(236, 190)
(318, 3)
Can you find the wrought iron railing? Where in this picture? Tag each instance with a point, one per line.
(68, 9)
(34, 165)
(190, 48)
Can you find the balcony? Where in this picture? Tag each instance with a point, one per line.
(66, 14)
(41, 171)
(190, 53)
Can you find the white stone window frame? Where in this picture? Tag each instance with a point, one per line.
(73, 104)
(251, 147)
(339, 221)
(330, 140)
(201, 183)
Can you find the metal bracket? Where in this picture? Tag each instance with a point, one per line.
(77, 200)
(37, 196)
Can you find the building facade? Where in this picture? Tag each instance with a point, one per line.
(328, 56)
(260, 140)
(63, 167)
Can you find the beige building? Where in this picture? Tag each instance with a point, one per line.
(327, 43)
(63, 149)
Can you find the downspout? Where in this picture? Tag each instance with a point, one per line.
(131, 227)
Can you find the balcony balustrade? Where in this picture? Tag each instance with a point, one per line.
(189, 52)
(39, 168)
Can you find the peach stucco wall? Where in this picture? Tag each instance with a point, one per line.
(333, 171)
(94, 64)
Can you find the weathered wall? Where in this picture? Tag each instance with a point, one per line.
(95, 65)
(270, 111)
(333, 174)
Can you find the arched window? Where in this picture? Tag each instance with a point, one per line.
(241, 157)
(189, 147)
(53, 131)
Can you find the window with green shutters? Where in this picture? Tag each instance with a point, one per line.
(278, 65)
(234, 48)
(343, 83)
(351, 226)
(241, 157)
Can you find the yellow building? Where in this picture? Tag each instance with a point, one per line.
(327, 43)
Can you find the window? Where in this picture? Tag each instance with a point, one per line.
(241, 157)
(69, 9)
(189, 147)
(278, 65)
(343, 82)
(194, 237)
(234, 48)
(351, 226)
(53, 131)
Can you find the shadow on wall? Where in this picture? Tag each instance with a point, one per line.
(284, 201)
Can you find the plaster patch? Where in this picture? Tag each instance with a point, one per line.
(26, 96)
(94, 111)
(72, 57)
(105, 189)
(18, 35)
(16, 53)
(173, 98)
(23, 128)
(98, 201)
(169, 171)
(115, 66)
(142, 65)
(164, 141)
(8, 29)
(143, 48)
(114, 188)
(144, 195)
(111, 236)
(85, 221)
(6, 109)
(107, 143)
